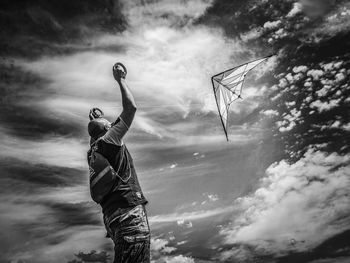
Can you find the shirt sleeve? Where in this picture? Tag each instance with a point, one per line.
(116, 133)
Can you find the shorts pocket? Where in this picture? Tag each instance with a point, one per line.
(136, 238)
(134, 222)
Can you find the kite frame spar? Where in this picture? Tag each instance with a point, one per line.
(244, 73)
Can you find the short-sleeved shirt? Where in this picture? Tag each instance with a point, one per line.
(116, 133)
(112, 208)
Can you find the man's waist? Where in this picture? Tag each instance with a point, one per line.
(116, 207)
(109, 218)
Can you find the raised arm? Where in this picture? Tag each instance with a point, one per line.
(128, 101)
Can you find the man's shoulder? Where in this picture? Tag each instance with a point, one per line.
(116, 133)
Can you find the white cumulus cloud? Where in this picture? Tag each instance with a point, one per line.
(297, 7)
(306, 202)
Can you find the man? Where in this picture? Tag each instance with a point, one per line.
(123, 207)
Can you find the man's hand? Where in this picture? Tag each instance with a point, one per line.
(119, 71)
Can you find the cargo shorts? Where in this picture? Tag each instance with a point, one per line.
(131, 236)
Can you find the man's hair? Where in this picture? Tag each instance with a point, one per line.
(97, 128)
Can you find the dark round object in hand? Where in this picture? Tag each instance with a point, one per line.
(120, 64)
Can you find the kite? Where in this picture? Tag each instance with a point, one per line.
(227, 87)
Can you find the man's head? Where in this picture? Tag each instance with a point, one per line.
(98, 125)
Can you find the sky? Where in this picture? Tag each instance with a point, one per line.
(277, 191)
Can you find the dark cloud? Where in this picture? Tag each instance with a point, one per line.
(20, 115)
(92, 256)
(335, 248)
(32, 28)
(238, 17)
(241, 16)
(32, 122)
(314, 126)
(35, 28)
(54, 224)
(312, 105)
(317, 8)
(74, 214)
(26, 177)
(294, 38)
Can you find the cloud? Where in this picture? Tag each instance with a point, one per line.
(59, 229)
(250, 35)
(160, 252)
(346, 126)
(28, 179)
(184, 223)
(55, 26)
(69, 194)
(68, 152)
(290, 119)
(93, 256)
(336, 19)
(167, 66)
(290, 199)
(315, 73)
(22, 114)
(300, 68)
(270, 113)
(163, 12)
(159, 247)
(189, 216)
(272, 25)
(314, 8)
(297, 7)
(213, 197)
(75, 239)
(74, 214)
(307, 99)
(324, 106)
(173, 165)
(331, 260)
(179, 259)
